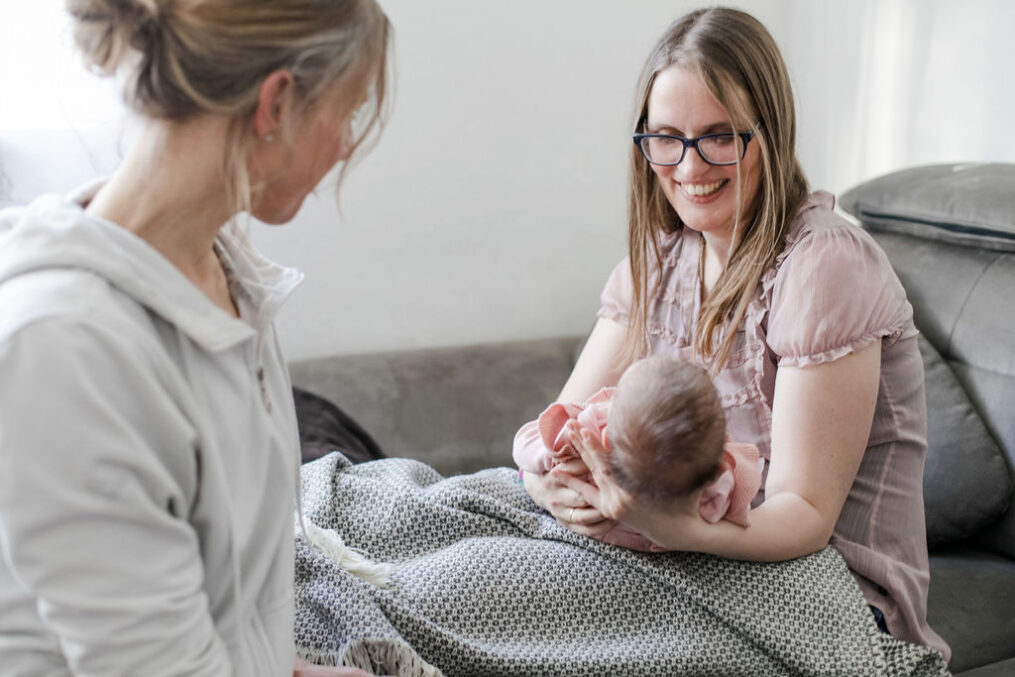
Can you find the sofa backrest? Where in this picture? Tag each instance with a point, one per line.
(949, 232)
(456, 409)
(964, 304)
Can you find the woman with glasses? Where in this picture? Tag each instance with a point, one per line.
(797, 314)
(149, 458)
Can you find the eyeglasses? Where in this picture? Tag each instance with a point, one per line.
(715, 149)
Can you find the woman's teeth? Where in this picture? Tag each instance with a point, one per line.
(702, 189)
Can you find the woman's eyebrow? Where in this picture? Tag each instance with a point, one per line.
(714, 128)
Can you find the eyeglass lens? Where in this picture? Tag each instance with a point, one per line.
(718, 148)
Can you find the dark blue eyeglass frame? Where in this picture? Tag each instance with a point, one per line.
(746, 136)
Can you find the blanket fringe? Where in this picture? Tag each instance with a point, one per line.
(377, 656)
(390, 658)
(331, 544)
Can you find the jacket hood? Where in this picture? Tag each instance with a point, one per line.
(54, 232)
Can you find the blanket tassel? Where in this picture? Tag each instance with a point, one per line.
(331, 544)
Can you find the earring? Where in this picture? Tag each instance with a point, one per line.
(268, 138)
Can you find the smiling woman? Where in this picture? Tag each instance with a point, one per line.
(796, 314)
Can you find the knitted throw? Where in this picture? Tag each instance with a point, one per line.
(484, 582)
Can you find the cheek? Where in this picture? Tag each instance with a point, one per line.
(752, 170)
(751, 185)
(346, 142)
(663, 174)
(338, 148)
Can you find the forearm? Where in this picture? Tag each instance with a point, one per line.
(784, 527)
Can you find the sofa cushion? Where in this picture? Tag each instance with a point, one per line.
(1002, 669)
(965, 481)
(949, 231)
(324, 428)
(962, 203)
(457, 409)
(969, 604)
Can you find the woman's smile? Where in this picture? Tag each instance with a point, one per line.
(702, 193)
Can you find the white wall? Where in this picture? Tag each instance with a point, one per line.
(494, 205)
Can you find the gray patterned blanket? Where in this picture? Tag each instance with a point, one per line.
(484, 582)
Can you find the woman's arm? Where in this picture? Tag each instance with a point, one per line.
(92, 514)
(597, 366)
(821, 419)
(599, 363)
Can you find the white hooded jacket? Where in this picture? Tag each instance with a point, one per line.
(149, 456)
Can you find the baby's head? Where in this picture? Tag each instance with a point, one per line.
(667, 429)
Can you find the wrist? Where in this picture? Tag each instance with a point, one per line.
(683, 531)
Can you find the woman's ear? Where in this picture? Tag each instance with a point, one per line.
(274, 101)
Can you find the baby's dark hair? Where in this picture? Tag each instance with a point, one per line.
(667, 429)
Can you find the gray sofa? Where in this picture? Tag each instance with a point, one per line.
(458, 408)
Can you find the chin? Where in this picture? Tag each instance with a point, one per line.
(277, 216)
(711, 223)
(703, 218)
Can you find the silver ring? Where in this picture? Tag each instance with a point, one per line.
(570, 515)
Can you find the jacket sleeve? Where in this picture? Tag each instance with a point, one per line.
(97, 476)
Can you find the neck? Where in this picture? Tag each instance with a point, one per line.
(715, 252)
(170, 191)
(718, 246)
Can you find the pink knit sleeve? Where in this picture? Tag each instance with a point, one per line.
(615, 301)
(539, 445)
(746, 481)
(528, 450)
(834, 294)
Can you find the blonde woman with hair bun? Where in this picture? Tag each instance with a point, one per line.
(796, 313)
(148, 444)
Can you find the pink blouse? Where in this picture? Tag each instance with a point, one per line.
(831, 292)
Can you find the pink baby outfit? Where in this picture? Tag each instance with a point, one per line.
(541, 444)
(831, 292)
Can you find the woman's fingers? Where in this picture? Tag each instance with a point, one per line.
(594, 530)
(593, 453)
(586, 493)
(585, 517)
(573, 466)
(587, 521)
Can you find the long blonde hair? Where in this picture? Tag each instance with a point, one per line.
(185, 58)
(739, 62)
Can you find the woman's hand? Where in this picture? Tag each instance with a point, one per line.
(603, 492)
(566, 505)
(669, 527)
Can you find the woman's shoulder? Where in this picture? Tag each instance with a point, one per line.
(819, 236)
(817, 221)
(831, 289)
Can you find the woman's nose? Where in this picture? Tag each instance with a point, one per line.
(691, 167)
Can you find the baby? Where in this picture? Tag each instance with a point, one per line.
(666, 427)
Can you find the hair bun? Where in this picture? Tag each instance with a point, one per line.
(108, 31)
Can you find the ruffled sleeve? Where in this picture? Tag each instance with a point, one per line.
(615, 301)
(835, 293)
